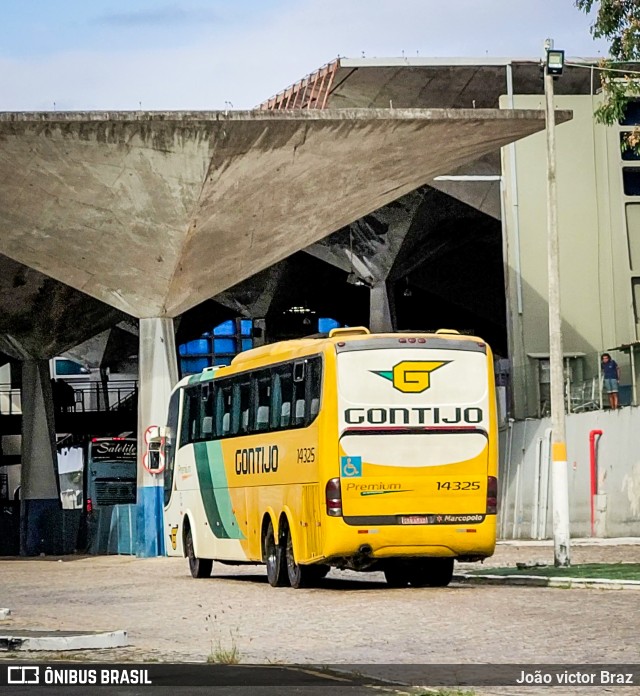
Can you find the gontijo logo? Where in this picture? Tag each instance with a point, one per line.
(412, 376)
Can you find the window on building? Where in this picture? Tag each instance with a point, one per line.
(631, 181)
(631, 113)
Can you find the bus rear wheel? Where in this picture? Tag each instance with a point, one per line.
(396, 575)
(431, 572)
(299, 575)
(274, 559)
(199, 567)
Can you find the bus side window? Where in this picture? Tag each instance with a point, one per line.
(206, 411)
(245, 407)
(219, 420)
(190, 409)
(299, 394)
(283, 407)
(240, 408)
(276, 401)
(262, 397)
(223, 411)
(313, 387)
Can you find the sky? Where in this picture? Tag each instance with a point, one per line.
(216, 54)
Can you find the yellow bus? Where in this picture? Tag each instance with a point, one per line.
(372, 452)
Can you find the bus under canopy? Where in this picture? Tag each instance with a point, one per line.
(369, 452)
(111, 495)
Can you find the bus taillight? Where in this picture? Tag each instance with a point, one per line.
(333, 497)
(89, 505)
(492, 495)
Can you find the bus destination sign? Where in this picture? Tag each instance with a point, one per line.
(112, 450)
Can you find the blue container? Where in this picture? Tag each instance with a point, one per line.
(224, 345)
(325, 324)
(227, 328)
(198, 347)
(222, 361)
(245, 327)
(247, 344)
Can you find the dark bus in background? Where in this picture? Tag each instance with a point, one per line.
(111, 489)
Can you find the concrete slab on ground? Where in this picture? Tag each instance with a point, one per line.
(27, 640)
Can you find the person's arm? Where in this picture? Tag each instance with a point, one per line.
(618, 370)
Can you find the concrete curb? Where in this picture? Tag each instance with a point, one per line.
(61, 640)
(575, 541)
(541, 581)
(5, 614)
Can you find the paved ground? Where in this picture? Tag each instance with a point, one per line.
(350, 618)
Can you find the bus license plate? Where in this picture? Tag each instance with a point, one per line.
(414, 519)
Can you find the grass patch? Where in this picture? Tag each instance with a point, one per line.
(447, 692)
(221, 655)
(606, 571)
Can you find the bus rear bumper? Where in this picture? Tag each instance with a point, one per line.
(413, 551)
(342, 541)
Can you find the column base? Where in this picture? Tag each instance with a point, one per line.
(150, 522)
(45, 528)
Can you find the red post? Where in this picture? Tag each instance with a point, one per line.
(593, 461)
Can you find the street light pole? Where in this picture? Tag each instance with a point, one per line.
(559, 466)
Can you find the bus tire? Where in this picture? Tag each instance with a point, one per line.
(199, 567)
(274, 559)
(299, 575)
(396, 575)
(432, 572)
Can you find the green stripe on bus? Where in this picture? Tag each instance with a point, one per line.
(214, 490)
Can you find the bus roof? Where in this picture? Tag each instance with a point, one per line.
(299, 347)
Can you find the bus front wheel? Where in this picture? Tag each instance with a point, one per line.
(274, 559)
(199, 567)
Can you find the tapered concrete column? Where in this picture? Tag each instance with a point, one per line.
(41, 514)
(380, 320)
(158, 373)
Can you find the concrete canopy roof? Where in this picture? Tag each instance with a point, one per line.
(153, 213)
(454, 83)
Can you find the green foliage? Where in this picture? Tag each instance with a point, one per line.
(618, 23)
(587, 571)
(224, 655)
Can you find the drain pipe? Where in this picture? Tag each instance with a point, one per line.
(593, 461)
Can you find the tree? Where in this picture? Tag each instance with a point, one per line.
(618, 22)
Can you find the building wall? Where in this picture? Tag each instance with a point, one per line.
(525, 476)
(595, 268)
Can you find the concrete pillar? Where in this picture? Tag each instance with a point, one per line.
(379, 309)
(41, 509)
(158, 373)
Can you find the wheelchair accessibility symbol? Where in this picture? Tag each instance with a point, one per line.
(351, 467)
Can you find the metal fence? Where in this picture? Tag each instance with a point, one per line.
(81, 397)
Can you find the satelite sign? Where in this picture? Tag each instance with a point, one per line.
(113, 450)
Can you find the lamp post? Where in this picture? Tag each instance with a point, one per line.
(554, 66)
